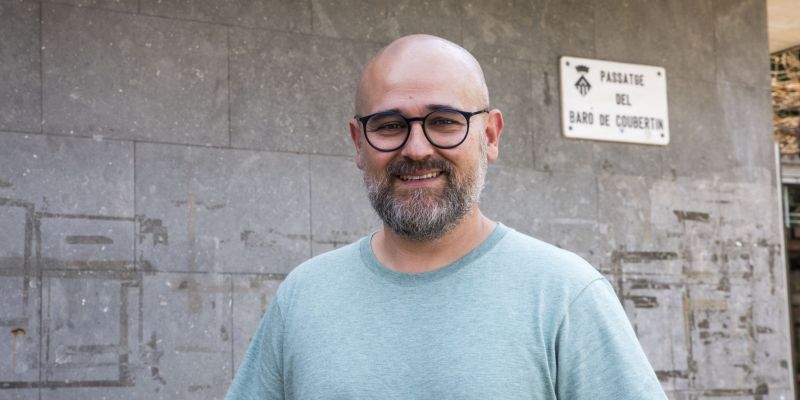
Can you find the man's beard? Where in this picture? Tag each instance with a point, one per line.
(425, 214)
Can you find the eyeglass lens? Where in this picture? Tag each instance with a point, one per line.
(443, 128)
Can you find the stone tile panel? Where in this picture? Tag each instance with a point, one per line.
(186, 352)
(340, 210)
(307, 83)
(675, 35)
(84, 242)
(537, 196)
(746, 113)
(695, 128)
(384, 21)
(221, 210)
(742, 50)
(533, 31)
(134, 77)
(20, 322)
(90, 327)
(20, 65)
(70, 176)
(130, 6)
(510, 92)
(293, 16)
(252, 295)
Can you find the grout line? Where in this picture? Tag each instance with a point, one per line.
(192, 145)
(37, 233)
(270, 276)
(310, 211)
(311, 16)
(41, 67)
(40, 275)
(228, 51)
(229, 25)
(461, 24)
(136, 265)
(233, 331)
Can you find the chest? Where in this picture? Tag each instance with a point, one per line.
(401, 346)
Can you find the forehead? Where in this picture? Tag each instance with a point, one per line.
(418, 76)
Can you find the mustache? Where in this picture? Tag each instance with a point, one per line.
(405, 166)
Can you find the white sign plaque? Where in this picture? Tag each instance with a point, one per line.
(604, 100)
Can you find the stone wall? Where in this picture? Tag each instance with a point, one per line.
(164, 164)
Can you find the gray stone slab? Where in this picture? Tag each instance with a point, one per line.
(520, 197)
(699, 146)
(386, 20)
(678, 395)
(134, 77)
(509, 83)
(306, 83)
(534, 31)
(721, 336)
(320, 248)
(742, 50)
(21, 394)
(252, 294)
(625, 206)
(746, 113)
(506, 30)
(20, 344)
(221, 210)
(20, 88)
(551, 150)
(772, 358)
(781, 393)
(294, 16)
(627, 159)
(131, 6)
(16, 236)
(91, 328)
(187, 337)
(340, 210)
(85, 243)
(676, 35)
(62, 175)
(585, 237)
(655, 307)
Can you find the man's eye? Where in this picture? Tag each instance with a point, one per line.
(390, 126)
(444, 121)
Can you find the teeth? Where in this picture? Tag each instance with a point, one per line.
(418, 177)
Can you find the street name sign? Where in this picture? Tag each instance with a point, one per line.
(619, 102)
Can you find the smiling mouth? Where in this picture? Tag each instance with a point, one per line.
(431, 175)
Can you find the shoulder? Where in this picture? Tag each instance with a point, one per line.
(329, 263)
(321, 272)
(524, 256)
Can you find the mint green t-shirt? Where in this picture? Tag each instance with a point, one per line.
(515, 318)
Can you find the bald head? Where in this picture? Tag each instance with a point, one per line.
(419, 63)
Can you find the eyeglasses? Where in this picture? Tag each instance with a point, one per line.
(444, 128)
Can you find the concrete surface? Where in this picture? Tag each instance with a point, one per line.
(163, 165)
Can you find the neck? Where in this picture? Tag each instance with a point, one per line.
(410, 256)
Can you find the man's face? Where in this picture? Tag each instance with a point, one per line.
(421, 191)
(424, 199)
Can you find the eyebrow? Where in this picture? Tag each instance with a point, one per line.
(428, 107)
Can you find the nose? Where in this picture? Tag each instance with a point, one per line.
(417, 146)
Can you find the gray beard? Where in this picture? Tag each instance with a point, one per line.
(422, 214)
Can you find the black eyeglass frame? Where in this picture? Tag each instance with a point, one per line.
(467, 115)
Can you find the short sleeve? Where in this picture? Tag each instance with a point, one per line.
(260, 376)
(598, 355)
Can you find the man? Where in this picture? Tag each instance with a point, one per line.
(442, 303)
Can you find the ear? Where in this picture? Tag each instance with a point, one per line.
(355, 135)
(494, 128)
